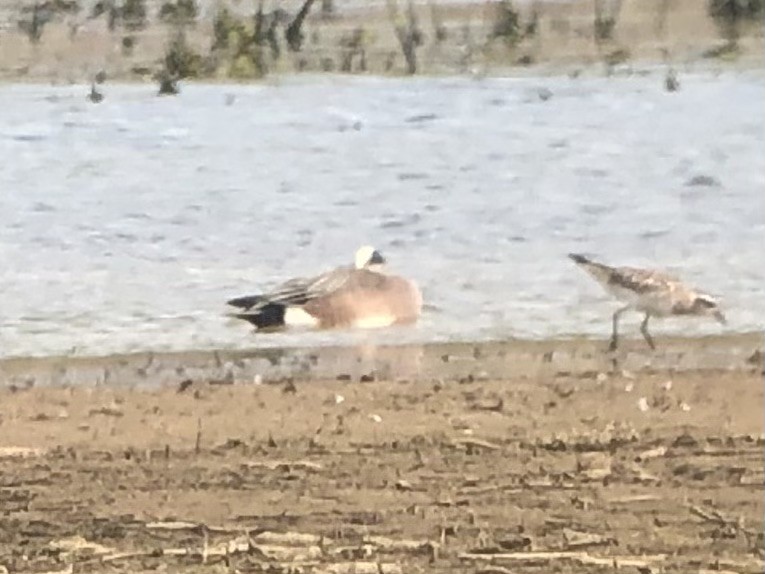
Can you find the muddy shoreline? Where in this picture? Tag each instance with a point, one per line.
(454, 360)
(514, 456)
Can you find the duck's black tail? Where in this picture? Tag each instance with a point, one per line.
(268, 316)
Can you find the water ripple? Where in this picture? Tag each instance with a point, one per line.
(127, 226)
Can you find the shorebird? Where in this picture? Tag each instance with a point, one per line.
(361, 295)
(648, 291)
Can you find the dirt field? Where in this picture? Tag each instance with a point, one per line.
(654, 472)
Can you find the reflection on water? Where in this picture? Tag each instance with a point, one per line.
(127, 225)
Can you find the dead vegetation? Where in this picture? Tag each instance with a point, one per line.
(34, 17)
(582, 474)
(408, 32)
(400, 37)
(735, 17)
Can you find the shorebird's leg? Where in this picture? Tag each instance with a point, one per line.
(646, 334)
(615, 330)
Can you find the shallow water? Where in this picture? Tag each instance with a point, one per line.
(127, 225)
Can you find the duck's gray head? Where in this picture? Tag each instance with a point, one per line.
(367, 256)
(706, 305)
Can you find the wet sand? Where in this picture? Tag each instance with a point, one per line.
(652, 470)
(578, 356)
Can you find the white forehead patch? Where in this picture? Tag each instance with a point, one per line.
(363, 255)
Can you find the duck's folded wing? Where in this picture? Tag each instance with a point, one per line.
(297, 291)
(300, 291)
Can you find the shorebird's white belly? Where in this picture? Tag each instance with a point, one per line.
(622, 294)
(658, 304)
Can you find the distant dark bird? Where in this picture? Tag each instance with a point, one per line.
(95, 96)
(648, 291)
(671, 83)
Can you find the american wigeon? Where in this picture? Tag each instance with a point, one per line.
(361, 295)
